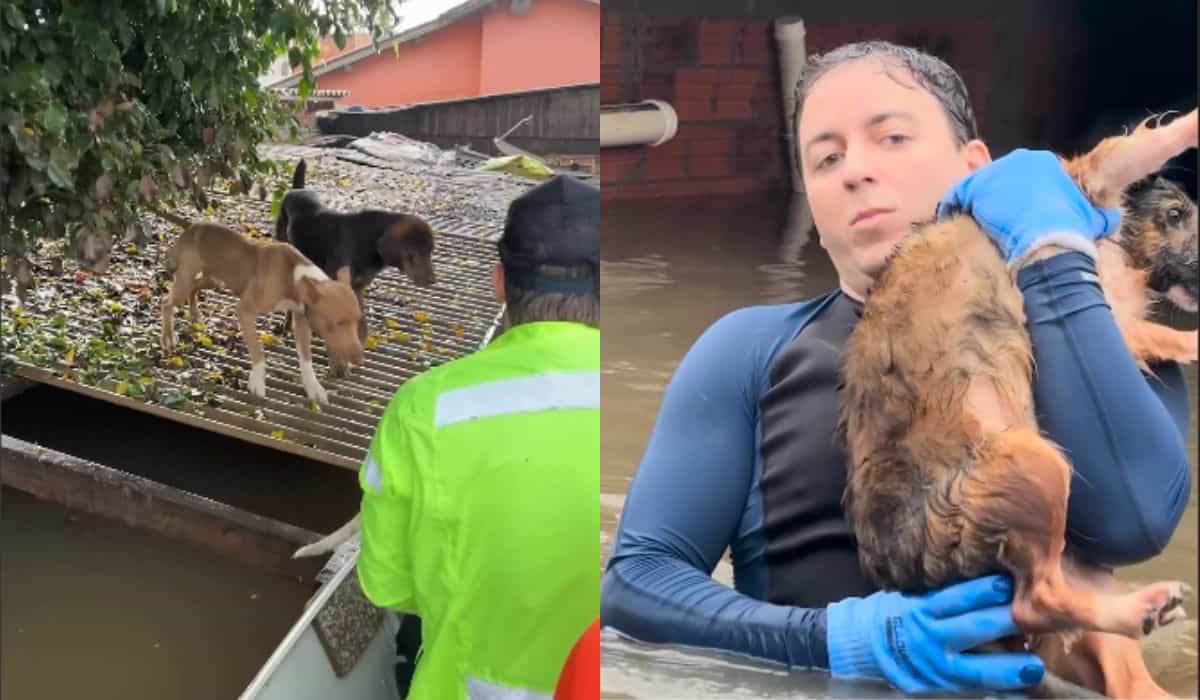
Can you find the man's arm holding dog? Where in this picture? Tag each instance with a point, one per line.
(1122, 432)
(687, 501)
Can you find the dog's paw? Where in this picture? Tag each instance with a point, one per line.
(258, 381)
(312, 387)
(317, 393)
(1164, 605)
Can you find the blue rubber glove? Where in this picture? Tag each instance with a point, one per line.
(1025, 201)
(916, 642)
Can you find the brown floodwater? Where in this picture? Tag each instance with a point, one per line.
(91, 608)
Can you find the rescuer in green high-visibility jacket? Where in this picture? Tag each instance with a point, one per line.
(480, 510)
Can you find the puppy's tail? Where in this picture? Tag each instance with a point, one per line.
(173, 218)
(172, 261)
(298, 176)
(330, 542)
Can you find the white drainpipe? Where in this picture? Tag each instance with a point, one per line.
(650, 122)
(789, 34)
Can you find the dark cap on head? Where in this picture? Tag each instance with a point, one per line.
(551, 240)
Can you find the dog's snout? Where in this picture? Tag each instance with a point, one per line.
(350, 350)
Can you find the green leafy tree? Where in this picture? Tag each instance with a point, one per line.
(108, 108)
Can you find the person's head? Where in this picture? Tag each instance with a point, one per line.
(550, 255)
(882, 133)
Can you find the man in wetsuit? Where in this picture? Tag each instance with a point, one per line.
(743, 455)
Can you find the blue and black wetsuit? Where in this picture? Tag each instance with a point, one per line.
(743, 455)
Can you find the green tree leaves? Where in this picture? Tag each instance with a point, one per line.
(108, 107)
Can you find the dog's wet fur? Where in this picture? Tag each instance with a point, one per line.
(1158, 233)
(949, 476)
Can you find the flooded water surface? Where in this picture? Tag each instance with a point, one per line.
(94, 609)
(669, 270)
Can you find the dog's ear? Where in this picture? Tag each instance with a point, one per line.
(389, 246)
(307, 291)
(402, 239)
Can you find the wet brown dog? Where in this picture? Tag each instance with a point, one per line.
(949, 476)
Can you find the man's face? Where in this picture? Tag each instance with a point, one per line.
(877, 153)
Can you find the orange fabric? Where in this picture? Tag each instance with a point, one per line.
(580, 677)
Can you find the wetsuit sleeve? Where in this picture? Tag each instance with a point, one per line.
(1122, 431)
(685, 503)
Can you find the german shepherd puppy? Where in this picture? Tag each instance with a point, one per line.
(949, 476)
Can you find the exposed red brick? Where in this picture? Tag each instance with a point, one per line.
(757, 52)
(610, 92)
(648, 190)
(769, 100)
(732, 109)
(655, 89)
(718, 30)
(760, 166)
(741, 75)
(736, 91)
(668, 43)
(610, 48)
(736, 185)
(720, 76)
(710, 147)
(757, 144)
(758, 28)
(694, 110)
(621, 164)
(687, 188)
(694, 91)
(718, 53)
(664, 55)
(710, 166)
(675, 148)
(706, 76)
(822, 37)
(664, 166)
(690, 132)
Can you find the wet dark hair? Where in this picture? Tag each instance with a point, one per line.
(931, 73)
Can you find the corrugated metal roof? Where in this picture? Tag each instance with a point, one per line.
(99, 335)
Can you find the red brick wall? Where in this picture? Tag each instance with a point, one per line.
(720, 76)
